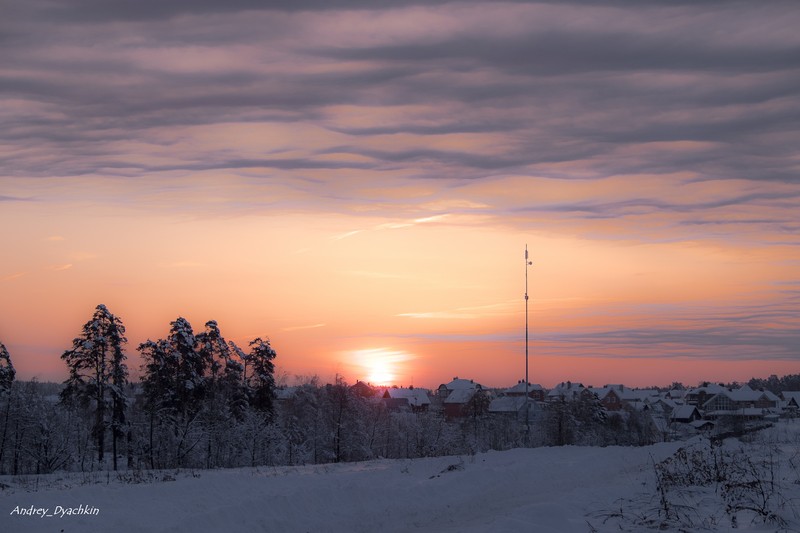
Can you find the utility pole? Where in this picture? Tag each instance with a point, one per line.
(527, 393)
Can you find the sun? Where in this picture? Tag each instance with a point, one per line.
(381, 366)
(381, 374)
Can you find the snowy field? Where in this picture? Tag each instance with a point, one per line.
(562, 489)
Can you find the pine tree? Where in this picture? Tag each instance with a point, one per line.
(190, 367)
(7, 371)
(159, 377)
(98, 375)
(225, 379)
(7, 374)
(261, 382)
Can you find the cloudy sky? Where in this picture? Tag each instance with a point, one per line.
(357, 180)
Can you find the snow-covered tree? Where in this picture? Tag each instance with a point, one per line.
(7, 371)
(261, 381)
(190, 367)
(97, 374)
(225, 372)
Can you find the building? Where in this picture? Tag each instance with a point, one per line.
(401, 399)
(535, 391)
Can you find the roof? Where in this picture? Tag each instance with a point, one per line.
(672, 404)
(746, 394)
(789, 394)
(710, 388)
(519, 388)
(507, 404)
(683, 412)
(638, 395)
(460, 384)
(460, 396)
(568, 389)
(415, 397)
(602, 392)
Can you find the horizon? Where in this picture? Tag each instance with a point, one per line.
(358, 184)
(298, 380)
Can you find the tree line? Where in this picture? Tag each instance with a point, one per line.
(193, 389)
(204, 402)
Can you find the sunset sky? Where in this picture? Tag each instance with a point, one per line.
(357, 180)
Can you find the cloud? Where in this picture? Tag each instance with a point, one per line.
(468, 313)
(339, 105)
(310, 326)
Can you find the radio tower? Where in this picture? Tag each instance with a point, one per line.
(527, 394)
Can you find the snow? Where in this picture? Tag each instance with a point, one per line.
(460, 396)
(557, 489)
(415, 397)
(541, 489)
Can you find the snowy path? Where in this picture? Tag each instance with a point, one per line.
(544, 489)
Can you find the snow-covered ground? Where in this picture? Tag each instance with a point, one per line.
(544, 489)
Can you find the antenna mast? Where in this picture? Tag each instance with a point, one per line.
(527, 393)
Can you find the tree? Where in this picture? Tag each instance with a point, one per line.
(224, 392)
(189, 366)
(7, 371)
(7, 374)
(97, 374)
(224, 373)
(261, 381)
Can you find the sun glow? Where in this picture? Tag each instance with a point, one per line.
(381, 366)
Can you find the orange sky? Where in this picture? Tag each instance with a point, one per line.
(358, 183)
(408, 300)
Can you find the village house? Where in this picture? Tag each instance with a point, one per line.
(664, 404)
(742, 402)
(685, 414)
(445, 389)
(509, 406)
(790, 403)
(363, 390)
(411, 399)
(568, 392)
(535, 391)
(609, 396)
(700, 395)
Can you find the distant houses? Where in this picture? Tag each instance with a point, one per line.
(697, 409)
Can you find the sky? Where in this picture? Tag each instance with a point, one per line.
(357, 181)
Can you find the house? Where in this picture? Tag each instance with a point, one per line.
(363, 390)
(703, 393)
(790, 404)
(463, 402)
(568, 392)
(401, 399)
(617, 397)
(742, 402)
(676, 394)
(509, 406)
(685, 414)
(610, 396)
(535, 392)
(704, 426)
(665, 405)
(445, 389)
(639, 399)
